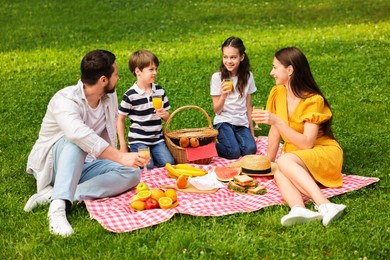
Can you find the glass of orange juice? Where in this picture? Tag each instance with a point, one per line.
(157, 102)
(144, 150)
(229, 83)
(255, 110)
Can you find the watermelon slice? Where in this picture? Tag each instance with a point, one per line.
(226, 174)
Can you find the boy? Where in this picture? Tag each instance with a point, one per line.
(145, 120)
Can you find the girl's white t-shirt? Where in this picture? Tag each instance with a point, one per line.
(234, 109)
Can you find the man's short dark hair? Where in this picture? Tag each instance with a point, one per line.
(95, 64)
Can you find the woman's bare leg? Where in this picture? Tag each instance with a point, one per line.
(296, 178)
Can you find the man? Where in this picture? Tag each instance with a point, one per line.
(75, 157)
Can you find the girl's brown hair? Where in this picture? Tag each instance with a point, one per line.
(244, 67)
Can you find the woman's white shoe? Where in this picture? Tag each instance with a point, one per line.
(330, 211)
(299, 215)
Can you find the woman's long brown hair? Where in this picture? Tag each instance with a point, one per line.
(302, 81)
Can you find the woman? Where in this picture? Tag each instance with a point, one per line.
(299, 113)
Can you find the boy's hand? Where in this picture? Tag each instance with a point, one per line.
(162, 113)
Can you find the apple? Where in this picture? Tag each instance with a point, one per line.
(151, 204)
(142, 186)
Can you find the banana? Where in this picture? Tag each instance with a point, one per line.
(183, 169)
(170, 175)
(191, 173)
(188, 167)
(172, 171)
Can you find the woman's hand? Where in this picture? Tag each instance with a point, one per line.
(303, 140)
(264, 117)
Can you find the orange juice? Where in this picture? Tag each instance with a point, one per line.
(157, 102)
(229, 83)
(144, 150)
(256, 110)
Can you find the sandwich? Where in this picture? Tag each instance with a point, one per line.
(245, 181)
(245, 184)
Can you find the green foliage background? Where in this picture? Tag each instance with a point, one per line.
(346, 42)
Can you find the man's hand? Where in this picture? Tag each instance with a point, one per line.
(135, 160)
(129, 159)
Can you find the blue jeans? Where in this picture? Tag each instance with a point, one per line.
(75, 180)
(234, 141)
(159, 154)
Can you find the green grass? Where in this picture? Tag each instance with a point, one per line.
(346, 42)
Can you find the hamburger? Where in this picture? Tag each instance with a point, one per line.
(245, 184)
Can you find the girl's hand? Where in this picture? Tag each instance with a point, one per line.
(226, 87)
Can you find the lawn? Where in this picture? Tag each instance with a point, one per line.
(346, 42)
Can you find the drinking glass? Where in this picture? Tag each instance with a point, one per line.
(144, 150)
(157, 102)
(229, 82)
(257, 109)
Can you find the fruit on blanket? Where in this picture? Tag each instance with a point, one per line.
(191, 173)
(138, 205)
(194, 142)
(144, 195)
(157, 193)
(134, 198)
(175, 172)
(182, 182)
(171, 193)
(165, 202)
(184, 142)
(151, 204)
(172, 173)
(183, 166)
(226, 173)
(142, 186)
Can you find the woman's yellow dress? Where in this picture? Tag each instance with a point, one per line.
(325, 159)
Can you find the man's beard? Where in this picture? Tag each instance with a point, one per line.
(108, 89)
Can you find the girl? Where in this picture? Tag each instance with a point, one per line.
(298, 112)
(233, 104)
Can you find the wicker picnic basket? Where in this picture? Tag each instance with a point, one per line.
(205, 135)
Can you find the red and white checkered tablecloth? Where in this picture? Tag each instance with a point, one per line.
(115, 215)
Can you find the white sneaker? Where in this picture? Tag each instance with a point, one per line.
(58, 222)
(299, 215)
(39, 198)
(330, 211)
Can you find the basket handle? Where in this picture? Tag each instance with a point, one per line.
(187, 107)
